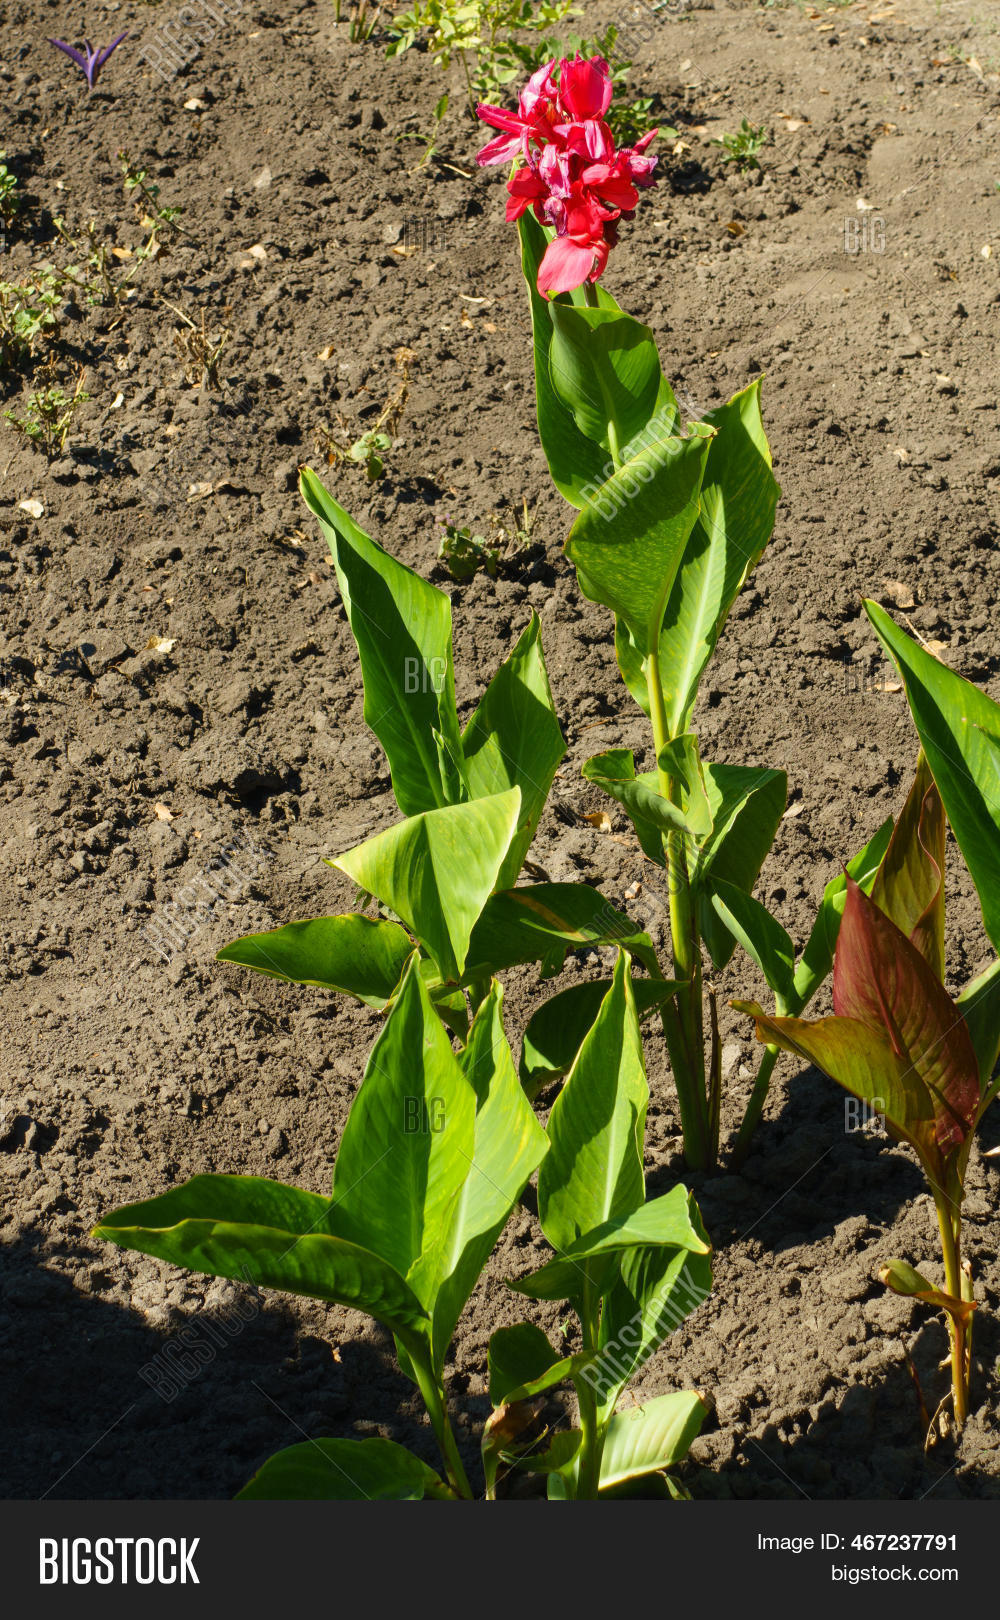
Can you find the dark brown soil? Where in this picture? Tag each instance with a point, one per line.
(172, 516)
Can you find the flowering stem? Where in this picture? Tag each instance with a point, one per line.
(682, 1015)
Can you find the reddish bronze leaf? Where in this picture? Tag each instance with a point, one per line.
(883, 981)
(909, 886)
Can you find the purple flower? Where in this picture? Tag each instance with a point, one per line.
(88, 60)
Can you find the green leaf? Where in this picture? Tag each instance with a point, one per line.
(628, 542)
(817, 958)
(402, 626)
(540, 922)
(557, 1457)
(955, 721)
(681, 760)
(909, 884)
(577, 464)
(979, 1005)
(605, 370)
(517, 1355)
(343, 1471)
(762, 937)
(514, 740)
(652, 815)
(555, 1033)
(437, 870)
(408, 1144)
(656, 1435)
(738, 501)
(593, 1172)
(747, 804)
(657, 1290)
(670, 1222)
(358, 956)
(270, 1236)
(508, 1146)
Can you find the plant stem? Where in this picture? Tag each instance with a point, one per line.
(682, 1017)
(437, 1410)
(590, 293)
(953, 1282)
(755, 1107)
(592, 1444)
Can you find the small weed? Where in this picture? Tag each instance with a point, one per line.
(200, 348)
(369, 448)
(48, 416)
(465, 553)
(28, 315)
(10, 194)
(744, 147)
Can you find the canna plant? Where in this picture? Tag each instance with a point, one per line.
(672, 519)
(436, 1151)
(898, 1041)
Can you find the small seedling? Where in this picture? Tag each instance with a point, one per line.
(155, 214)
(91, 59)
(368, 449)
(364, 20)
(744, 147)
(49, 416)
(28, 315)
(464, 553)
(10, 196)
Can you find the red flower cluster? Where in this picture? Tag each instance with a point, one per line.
(571, 176)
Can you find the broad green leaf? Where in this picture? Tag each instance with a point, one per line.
(508, 1146)
(739, 497)
(881, 979)
(558, 1456)
(979, 1005)
(555, 1033)
(593, 1172)
(343, 1471)
(628, 542)
(861, 1060)
(579, 466)
(738, 501)
(408, 1144)
(762, 937)
(681, 760)
(268, 1235)
(517, 1355)
(657, 1434)
(671, 1222)
(514, 740)
(903, 1279)
(747, 803)
(656, 1291)
(817, 958)
(540, 922)
(652, 815)
(955, 722)
(359, 956)
(605, 370)
(909, 884)
(437, 870)
(402, 626)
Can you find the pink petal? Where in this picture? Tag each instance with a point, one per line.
(565, 265)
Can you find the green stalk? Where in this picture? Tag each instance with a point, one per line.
(592, 1444)
(437, 1411)
(682, 1017)
(755, 1107)
(954, 1285)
